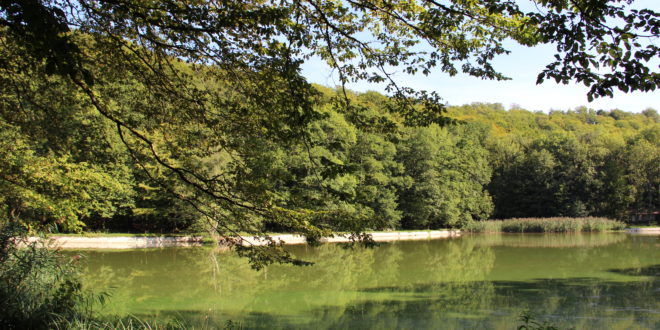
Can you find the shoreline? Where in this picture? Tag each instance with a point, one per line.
(143, 242)
(121, 242)
(387, 236)
(643, 231)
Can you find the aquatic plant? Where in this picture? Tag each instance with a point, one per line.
(544, 225)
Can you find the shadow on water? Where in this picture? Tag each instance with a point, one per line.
(653, 270)
(583, 303)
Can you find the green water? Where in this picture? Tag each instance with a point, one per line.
(588, 281)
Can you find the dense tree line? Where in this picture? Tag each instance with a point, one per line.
(368, 166)
(356, 166)
(580, 162)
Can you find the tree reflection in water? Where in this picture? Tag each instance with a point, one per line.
(592, 281)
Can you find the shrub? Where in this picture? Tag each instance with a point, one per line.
(37, 285)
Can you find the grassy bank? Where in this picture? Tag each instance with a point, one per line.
(544, 225)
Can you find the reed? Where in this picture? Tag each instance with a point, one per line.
(544, 225)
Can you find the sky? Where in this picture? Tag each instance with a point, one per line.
(522, 65)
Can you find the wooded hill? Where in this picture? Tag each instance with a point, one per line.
(355, 165)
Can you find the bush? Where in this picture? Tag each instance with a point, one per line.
(37, 285)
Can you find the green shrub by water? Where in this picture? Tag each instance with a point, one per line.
(544, 225)
(37, 285)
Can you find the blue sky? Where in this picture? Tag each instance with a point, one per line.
(522, 65)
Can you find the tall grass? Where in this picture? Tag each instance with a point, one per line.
(36, 283)
(135, 322)
(544, 225)
(124, 323)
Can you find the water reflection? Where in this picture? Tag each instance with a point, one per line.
(552, 240)
(581, 303)
(653, 270)
(475, 281)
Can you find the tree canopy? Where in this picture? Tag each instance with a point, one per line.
(186, 93)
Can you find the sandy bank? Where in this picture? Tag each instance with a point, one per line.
(644, 231)
(122, 242)
(377, 236)
(68, 242)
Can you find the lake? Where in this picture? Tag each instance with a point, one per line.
(586, 281)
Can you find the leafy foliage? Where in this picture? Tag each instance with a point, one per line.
(602, 44)
(449, 170)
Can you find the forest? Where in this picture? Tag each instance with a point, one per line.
(361, 166)
(175, 116)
